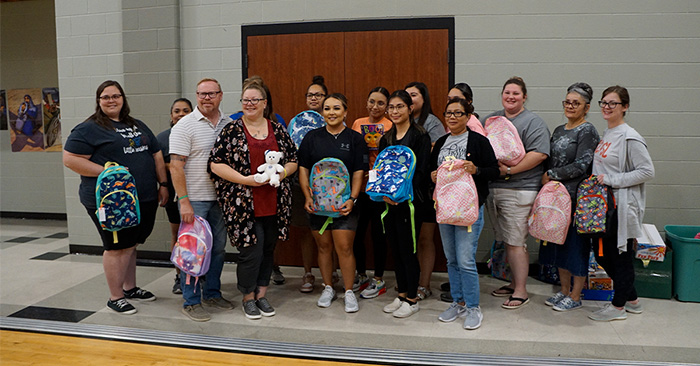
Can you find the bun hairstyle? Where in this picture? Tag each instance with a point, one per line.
(320, 81)
(185, 100)
(622, 92)
(468, 107)
(256, 82)
(466, 91)
(517, 80)
(380, 89)
(582, 89)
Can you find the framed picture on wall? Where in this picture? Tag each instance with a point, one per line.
(3, 110)
(25, 119)
(52, 119)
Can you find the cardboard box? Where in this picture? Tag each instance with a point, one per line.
(599, 280)
(650, 246)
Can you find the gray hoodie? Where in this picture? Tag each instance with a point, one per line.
(623, 159)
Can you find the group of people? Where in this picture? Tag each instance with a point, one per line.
(205, 164)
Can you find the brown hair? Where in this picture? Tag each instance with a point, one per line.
(517, 80)
(101, 118)
(622, 92)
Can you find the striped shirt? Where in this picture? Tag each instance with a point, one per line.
(194, 136)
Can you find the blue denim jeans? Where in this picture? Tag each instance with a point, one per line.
(211, 288)
(460, 250)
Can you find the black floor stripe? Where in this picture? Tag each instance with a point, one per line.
(44, 313)
(50, 256)
(21, 239)
(57, 236)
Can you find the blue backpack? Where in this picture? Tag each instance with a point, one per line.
(392, 177)
(302, 123)
(330, 186)
(116, 198)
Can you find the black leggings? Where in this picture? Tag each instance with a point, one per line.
(619, 266)
(254, 265)
(398, 233)
(370, 212)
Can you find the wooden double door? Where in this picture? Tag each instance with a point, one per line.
(352, 61)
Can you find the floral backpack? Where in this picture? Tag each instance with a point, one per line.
(595, 208)
(392, 177)
(117, 199)
(302, 123)
(330, 187)
(505, 140)
(192, 251)
(455, 195)
(550, 216)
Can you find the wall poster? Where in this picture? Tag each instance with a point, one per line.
(3, 110)
(25, 119)
(52, 119)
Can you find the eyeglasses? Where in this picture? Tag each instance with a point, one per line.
(574, 104)
(457, 114)
(315, 95)
(396, 107)
(253, 101)
(210, 95)
(610, 105)
(107, 98)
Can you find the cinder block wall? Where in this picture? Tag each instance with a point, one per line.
(651, 47)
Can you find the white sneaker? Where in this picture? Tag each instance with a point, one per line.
(351, 305)
(395, 305)
(608, 313)
(406, 310)
(327, 296)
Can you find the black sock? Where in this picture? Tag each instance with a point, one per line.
(402, 298)
(410, 302)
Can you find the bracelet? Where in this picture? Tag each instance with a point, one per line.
(285, 172)
(185, 196)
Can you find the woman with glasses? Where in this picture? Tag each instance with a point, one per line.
(398, 219)
(112, 135)
(460, 242)
(334, 140)
(515, 190)
(423, 116)
(622, 161)
(315, 93)
(256, 214)
(571, 156)
(372, 128)
(180, 108)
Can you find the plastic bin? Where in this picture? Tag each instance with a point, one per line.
(686, 261)
(656, 279)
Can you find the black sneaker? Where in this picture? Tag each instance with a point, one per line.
(121, 306)
(138, 293)
(264, 306)
(177, 289)
(251, 310)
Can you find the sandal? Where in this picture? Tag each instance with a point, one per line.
(424, 293)
(503, 291)
(511, 307)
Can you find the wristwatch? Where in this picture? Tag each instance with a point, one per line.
(508, 173)
(354, 200)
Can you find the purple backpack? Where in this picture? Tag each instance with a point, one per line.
(192, 251)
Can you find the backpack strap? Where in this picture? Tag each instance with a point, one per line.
(329, 221)
(114, 237)
(413, 223)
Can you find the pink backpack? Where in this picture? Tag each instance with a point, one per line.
(550, 216)
(505, 140)
(456, 198)
(192, 251)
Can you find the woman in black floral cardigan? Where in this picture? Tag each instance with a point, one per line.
(256, 214)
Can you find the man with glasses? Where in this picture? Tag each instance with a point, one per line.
(191, 141)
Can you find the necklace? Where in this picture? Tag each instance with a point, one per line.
(335, 135)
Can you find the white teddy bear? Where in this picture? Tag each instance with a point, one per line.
(271, 169)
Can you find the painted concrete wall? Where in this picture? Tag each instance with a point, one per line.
(29, 181)
(161, 47)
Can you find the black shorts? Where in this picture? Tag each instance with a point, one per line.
(348, 222)
(173, 212)
(128, 237)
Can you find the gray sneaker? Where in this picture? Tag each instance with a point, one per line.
(567, 304)
(265, 308)
(554, 299)
(452, 313)
(277, 276)
(608, 313)
(375, 288)
(196, 312)
(251, 310)
(218, 302)
(327, 296)
(361, 282)
(634, 308)
(351, 305)
(473, 318)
